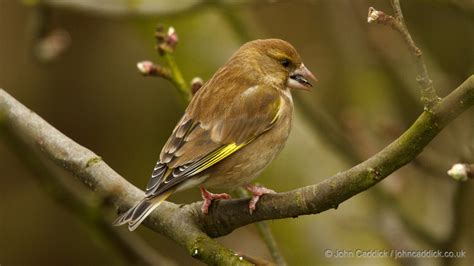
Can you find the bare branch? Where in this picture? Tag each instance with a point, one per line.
(428, 92)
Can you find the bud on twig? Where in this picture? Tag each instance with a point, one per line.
(461, 172)
(166, 42)
(196, 84)
(373, 15)
(172, 40)
(377, 16)
(148, 68)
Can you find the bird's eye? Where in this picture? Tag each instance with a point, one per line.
(285, 63)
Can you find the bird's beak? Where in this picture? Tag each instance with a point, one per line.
(299, 78)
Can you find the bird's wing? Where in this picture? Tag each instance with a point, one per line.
(213, 129)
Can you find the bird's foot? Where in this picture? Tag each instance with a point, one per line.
(208, 197)
(257, 192)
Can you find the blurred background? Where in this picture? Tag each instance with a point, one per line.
(74, 63)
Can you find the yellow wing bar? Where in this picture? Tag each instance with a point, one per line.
(216, 157)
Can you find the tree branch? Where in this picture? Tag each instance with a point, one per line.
(187, 225)
(92, 171)
(87, 208)
(428, 92)
(335, 190)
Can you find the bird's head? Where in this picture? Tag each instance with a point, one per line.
(276, 62)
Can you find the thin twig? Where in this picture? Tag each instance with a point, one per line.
(266, 234)
(177, 77)
(166, 43)
(428, 92)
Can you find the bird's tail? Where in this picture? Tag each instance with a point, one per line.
(135, 216)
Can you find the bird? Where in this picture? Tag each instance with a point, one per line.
(233, 127)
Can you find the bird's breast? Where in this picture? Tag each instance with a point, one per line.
(246, 164)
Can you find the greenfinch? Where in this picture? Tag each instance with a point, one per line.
(234, 126)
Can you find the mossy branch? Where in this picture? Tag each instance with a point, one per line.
(88, 208)
(336, 189)
(187, 225)
(172, 221)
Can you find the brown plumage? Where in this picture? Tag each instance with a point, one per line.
(232, 129)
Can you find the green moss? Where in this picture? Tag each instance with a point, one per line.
(373, 174)
(300, 200)
(209, 251)
(93, 161)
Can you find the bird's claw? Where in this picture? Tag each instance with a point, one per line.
(257, 192)
(208, 197)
